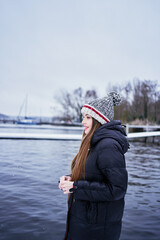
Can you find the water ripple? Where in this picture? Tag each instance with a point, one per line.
(32, 206)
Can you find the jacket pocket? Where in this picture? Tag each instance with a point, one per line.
(92, 212)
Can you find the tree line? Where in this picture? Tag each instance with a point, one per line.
(140, 102)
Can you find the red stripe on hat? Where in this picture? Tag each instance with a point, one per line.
(94, 110)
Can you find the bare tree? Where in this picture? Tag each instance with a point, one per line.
(140, 100)
(144, 104)
(137, 109)
(72, 102)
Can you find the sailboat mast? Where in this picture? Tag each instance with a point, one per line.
(26, 105)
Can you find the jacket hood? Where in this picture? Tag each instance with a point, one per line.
(112, 130)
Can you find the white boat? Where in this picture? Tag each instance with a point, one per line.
(26, 120)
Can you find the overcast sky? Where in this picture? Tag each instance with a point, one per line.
(49, 45)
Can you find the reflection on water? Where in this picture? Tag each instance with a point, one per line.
(32, 206)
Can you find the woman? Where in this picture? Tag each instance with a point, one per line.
(98, 180)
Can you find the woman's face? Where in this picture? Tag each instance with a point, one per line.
(87, 122)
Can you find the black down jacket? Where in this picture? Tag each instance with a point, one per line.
(96, 204)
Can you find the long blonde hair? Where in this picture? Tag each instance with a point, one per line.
(79, 161)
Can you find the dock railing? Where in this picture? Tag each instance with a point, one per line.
(147, 128)
(147, 131)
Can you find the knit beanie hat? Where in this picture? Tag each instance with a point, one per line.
(102, 109)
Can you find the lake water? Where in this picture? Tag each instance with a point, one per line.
(33, 208)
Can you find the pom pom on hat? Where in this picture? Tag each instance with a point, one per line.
(102, 109)
(116, 98)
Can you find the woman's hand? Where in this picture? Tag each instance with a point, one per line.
(66, 186)
(62, 180)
